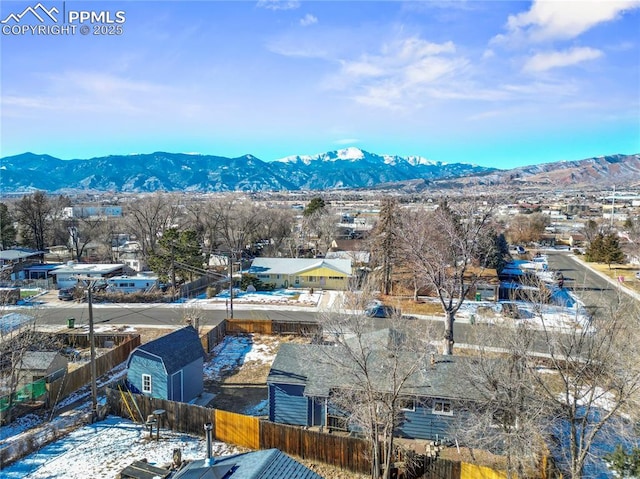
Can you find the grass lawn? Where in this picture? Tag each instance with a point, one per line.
(625, 271)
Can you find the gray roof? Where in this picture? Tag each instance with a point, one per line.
(37, 360)
(177, 349)
(15, 254)
(87, 268)
(265, 464)
(312, 366)
(290, 266)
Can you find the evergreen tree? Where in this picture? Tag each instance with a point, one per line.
(384, 241)
(612, 251)
(595, 251)
(178, 255)
(314, 205)
(7, 231)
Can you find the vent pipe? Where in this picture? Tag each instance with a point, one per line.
(208, 427)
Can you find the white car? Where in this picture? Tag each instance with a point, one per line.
(637, 274)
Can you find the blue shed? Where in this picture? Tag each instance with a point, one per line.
(170, 367)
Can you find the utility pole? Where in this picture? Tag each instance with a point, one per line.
(91, 283)
(231, 259)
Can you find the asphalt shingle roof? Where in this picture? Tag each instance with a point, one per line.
(289, 266)
(310, 365)
(177, 349)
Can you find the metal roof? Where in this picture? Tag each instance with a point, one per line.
(292, 266)
(87, 268)
(265, 464)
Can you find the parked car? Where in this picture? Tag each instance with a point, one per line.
(65, 294)
(638, 275)
(382, 311)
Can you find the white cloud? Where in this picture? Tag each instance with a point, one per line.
(308, 19)
(566, 19)
(548, 60)
(399, 73)
(279, 4)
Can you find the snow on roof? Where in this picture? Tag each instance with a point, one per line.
(290, 266)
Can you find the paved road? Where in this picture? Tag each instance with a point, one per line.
(153, 315)
(596, 292)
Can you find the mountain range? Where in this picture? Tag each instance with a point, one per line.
(348, 168)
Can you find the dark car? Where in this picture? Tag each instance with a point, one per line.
(65, 294)
(381, 311)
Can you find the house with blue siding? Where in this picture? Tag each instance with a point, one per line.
(170, 367)
(301, 384)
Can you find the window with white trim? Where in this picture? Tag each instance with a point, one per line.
(442, 406)
(407, 404)
(146, 383)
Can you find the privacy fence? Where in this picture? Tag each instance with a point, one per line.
(49, 390)
(245, 431)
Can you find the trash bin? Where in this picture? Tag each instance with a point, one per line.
(478, 297)
(71, 322)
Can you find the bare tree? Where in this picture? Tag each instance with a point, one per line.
(378, 370)
(442, 248)
(34, 217)
(237, 221)
(506, 418)
(148, 217)
(527, 228)
(596, 384)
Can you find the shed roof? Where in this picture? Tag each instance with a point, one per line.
(176, 349)
(38, 360)
(289, 266)
(265, 464)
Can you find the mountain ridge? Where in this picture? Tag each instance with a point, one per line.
(350, 168)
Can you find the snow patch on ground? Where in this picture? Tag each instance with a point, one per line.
(105, 448)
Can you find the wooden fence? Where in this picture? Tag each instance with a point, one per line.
(81, 376)
(268, 326)
(345, 452)
(245, 431)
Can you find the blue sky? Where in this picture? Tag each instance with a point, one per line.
(495, 83)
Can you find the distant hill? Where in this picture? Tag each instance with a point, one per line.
(601, 171)
(349, 168)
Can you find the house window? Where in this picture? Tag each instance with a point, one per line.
(407, 404)
(442, 406)
(312, 279)
(146, 383)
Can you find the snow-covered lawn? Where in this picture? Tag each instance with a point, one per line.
(103, 449)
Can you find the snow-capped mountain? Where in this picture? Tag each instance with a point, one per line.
(345, 168)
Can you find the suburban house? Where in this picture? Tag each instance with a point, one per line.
(67, 274)
(170, 367)
(132, 284)
(13, 261)
(300, 390)
(320, 273)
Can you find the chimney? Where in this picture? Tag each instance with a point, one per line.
(208, 427)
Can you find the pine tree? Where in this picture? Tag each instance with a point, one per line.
(612, 252)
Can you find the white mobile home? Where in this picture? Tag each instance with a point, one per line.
(132, 284)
